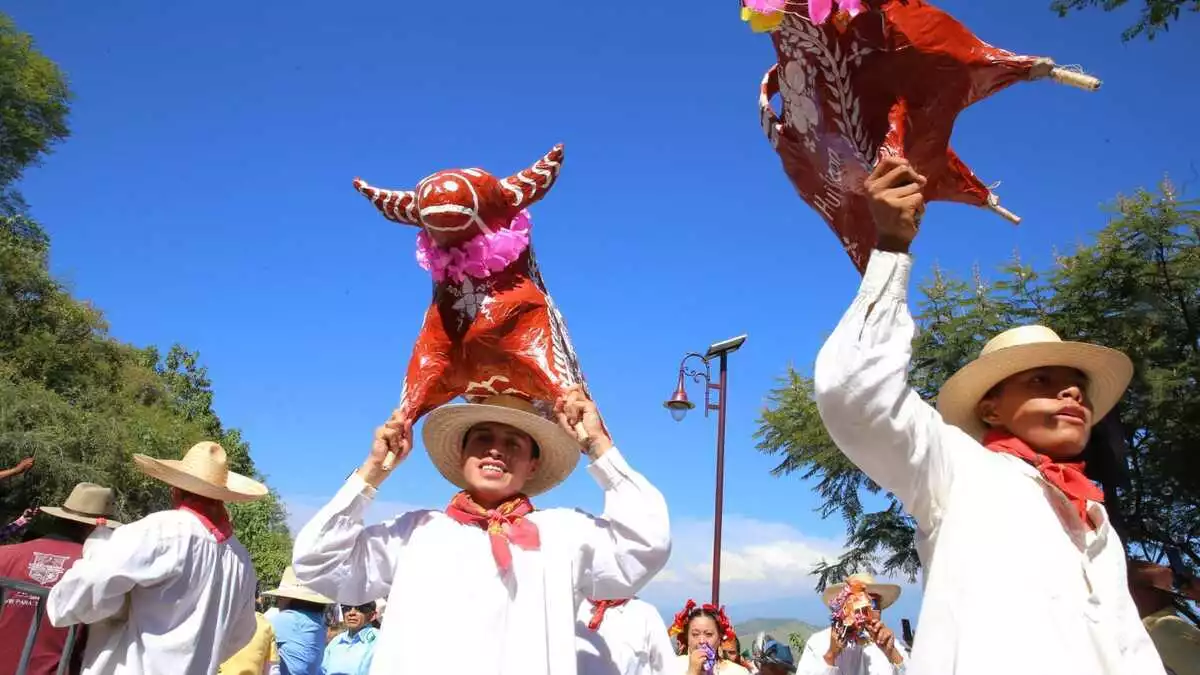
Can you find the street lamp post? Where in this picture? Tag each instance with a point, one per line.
(679, 405)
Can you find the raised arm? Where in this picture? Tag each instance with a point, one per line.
(335, 554)
(861, 375)
(627, 545)
(95, 588)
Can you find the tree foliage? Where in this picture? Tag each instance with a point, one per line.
(78, 400)
(1137, 289)
(1156, 15)
(33, 108)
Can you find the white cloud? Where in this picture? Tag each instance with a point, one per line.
(760, 560)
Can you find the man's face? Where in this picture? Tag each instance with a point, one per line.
(497, 461)
(358, 616)
(1045, 407)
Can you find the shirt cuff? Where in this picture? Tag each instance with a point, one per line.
(886, 276)
(611, 469)
(357, 487)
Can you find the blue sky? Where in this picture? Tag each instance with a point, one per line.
(205, 197)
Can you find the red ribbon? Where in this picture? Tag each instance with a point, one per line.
(505, 524)
(1068, 477)
(599, 607)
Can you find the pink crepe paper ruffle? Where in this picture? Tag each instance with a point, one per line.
(479, 257)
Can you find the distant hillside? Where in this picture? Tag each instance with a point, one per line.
(780, 629)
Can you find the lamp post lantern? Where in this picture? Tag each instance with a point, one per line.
(679, 405)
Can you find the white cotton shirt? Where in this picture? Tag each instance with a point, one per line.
(440, 578)
(1013, 581)
(866, 659)
(631, 640)
(189, 599)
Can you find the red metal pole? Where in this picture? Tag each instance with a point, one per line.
(720, 496)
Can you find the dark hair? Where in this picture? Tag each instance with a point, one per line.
(703, 611)
(535, 451)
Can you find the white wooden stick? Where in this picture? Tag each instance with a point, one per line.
(1075, 79)
(994, 205)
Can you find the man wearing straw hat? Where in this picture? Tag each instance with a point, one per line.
(880, 653)
(42, 562)
(514, 575)
(174, 591)
(1023, 570)
(299, 626)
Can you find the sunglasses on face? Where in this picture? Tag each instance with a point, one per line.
(362, 609)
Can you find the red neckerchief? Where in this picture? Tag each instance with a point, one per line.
(1068, 477)
(598, 609)
(212, 514)
(504, 525)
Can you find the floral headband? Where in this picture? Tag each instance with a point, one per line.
(681, 619)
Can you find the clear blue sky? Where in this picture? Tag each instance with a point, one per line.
(205, 197)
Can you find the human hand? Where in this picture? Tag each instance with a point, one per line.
(393, 439)
(696, 660)
(883, 637)
(895, 202)
(578, 415)
(837, 642)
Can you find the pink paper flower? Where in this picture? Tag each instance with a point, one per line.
(766, 6)
(478, 258)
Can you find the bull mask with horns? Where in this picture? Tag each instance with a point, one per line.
(491, 327)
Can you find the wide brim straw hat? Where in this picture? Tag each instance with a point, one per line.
(888, 593)
(88, 503)
(289, 587)
(204, 471)
(1019, 349)
(446, 428)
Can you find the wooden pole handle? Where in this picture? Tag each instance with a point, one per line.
(1074, 79)
(994, 206)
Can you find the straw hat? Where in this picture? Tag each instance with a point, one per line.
(204, 471)
(88, 503)
(289, 587)
(1019, 349)
(888, 593)
(446, 427)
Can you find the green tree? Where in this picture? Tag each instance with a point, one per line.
(1156, 15)
(34, 101)
(1136, 288)
(73, 397)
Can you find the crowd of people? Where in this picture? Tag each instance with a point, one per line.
(1023, 572)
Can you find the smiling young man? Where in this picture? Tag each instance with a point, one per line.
(1023, 571)
(489, 563)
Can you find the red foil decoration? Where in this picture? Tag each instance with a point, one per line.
(481, 337)
(892, 80)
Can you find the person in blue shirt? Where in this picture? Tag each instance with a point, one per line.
(350, 652)
(299, 627)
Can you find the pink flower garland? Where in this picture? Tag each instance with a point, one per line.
(479, 257)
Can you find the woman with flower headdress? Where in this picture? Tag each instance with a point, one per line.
(700, 630)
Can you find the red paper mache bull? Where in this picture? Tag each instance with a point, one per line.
(491, 327)
(884, 77)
